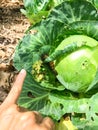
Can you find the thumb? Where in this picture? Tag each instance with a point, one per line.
(16, 89)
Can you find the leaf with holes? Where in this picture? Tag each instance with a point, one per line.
(60, 54)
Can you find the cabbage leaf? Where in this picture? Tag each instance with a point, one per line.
(44, 93)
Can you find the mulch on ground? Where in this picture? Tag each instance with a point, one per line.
(12, 27)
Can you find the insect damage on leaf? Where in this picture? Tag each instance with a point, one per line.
(38, 71)
(72, 68)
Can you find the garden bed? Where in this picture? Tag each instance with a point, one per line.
(12, 27)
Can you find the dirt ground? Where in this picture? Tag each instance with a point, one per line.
(12, 27)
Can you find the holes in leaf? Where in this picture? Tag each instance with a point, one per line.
(92, 118)
(29, 94)
(89, 107)
(81, 28)
(96, 114)
(85, 64)
(61, 106)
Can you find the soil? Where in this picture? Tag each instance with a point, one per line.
(12, 27)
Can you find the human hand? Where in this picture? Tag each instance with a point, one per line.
(13, 117)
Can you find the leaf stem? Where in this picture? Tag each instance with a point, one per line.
(67, 49)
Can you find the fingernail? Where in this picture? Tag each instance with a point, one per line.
(23, 71)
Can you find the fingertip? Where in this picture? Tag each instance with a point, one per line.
(16, 89)
(20, 77)
(23, 71)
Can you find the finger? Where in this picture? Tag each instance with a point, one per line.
(48, 123)
(8, 116)
(16, 89)
(34, 117)
(31, 119)
(13, 109)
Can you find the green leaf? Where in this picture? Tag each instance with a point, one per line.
(41, 40)
(88, 122)
(35, 10)
(94, 85)
(67, 11)
(36, 5)
(94, 2)
(48, 102)
(47, 33)
(85, 27)
(33, 95)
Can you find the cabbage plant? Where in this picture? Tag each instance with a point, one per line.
(60, 54)
(35, 10)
